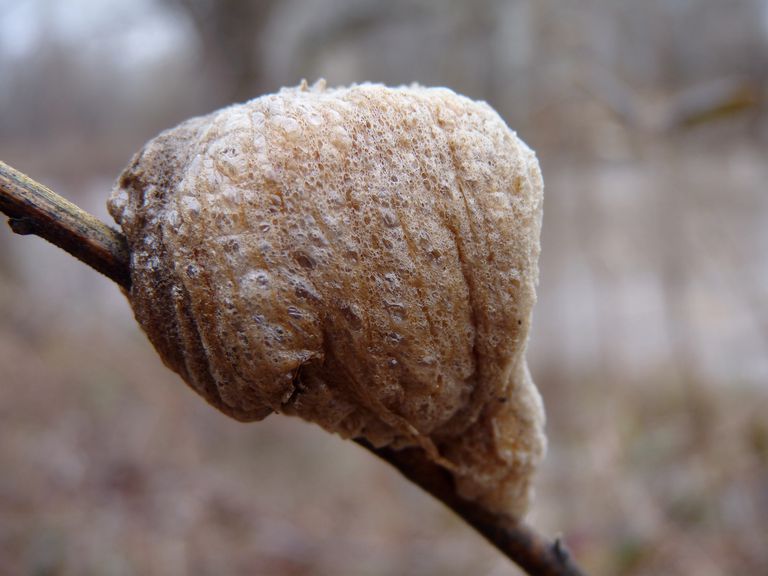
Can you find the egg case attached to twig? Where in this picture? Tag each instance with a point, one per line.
(364, 258)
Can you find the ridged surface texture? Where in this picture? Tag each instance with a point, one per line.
(363, 257)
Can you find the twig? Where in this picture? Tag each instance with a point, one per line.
(34, 209)
(530, 550)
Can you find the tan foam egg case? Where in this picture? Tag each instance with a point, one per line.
(363, 257)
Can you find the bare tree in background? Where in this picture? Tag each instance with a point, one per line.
(229, 32)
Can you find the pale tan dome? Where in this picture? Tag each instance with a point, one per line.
(362, 257)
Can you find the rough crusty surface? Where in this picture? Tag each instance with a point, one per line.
(363, 257)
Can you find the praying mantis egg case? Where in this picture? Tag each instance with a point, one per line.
(363, 257)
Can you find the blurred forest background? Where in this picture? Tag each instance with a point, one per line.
(650, 334)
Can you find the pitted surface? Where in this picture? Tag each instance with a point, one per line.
(363, 257)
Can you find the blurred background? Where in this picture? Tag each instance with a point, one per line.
(650, 335)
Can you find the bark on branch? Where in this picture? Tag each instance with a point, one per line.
(34, 209)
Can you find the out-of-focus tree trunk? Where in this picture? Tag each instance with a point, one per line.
(229, 32)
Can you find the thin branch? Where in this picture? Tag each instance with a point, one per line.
(34, 209)
(530, 550)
